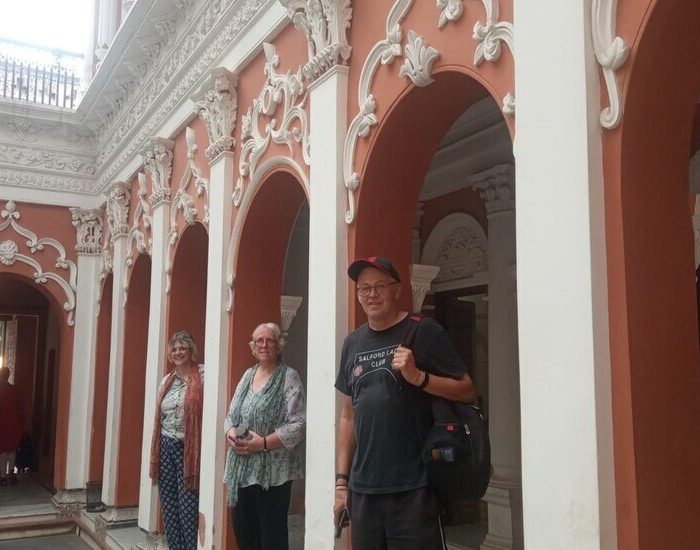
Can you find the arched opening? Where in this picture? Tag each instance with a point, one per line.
(440, 203)
(99, 411)
(271, 284)
(652, 300)
(32, 347)
(188, 294)
(133, 383)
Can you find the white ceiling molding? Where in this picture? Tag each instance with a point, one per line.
(255, 182)
(458, 244)
(10, 253)
(325, 25)
(183, 203)
(419, 59)
(137, 233)
(208, 34)
(450, 10)
(490, 35)
(611, 52)
(280, 90)
(383, 52)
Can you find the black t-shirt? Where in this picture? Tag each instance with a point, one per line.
(387, 409)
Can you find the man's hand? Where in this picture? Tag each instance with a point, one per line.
(405, 363)
(341, 502)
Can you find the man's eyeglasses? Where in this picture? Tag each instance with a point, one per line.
(380, 288)
(260, 342)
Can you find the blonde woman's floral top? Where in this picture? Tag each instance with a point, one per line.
(172, 409)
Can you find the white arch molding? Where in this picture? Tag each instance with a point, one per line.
(10, 253)
(459, 246)
(252, 188)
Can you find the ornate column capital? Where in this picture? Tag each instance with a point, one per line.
(496, 187)
(325, 24)
(289, 305)
(88, 227)
(118, 210)
(158, 163)
(421, 277)
(217, 106)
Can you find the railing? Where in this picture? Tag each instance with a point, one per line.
(36, 75)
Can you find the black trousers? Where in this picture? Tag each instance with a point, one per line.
(408, 520)
(260, 517)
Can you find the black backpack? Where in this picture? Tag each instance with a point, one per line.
(456, 449)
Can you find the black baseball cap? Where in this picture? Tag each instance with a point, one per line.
(378, 262)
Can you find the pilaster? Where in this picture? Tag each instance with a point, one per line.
(504, 496)
(155, 356)
(565, 387)
(328, 298)
(88, 225)
(117, 218)
(216, 350)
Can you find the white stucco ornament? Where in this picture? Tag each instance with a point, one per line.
(325, 24)
(383, 52)
(10, 253)
(285, 92)
(8, 250)
(611, 52)
(218, 108)
(450, 10)
(419, 60)
(490, 35)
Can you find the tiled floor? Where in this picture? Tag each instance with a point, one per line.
(62, 542)
(25, 498)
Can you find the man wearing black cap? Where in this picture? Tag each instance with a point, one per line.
(385, 400)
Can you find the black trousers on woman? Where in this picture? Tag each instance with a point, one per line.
(260, 517)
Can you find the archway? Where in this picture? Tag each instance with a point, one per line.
(33, 347)
(440, 203)
(271, 263)
(188, 294)
(133, 383)
(652, 301)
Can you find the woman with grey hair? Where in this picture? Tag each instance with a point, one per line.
(264, 428)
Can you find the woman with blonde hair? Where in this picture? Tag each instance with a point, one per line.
(176, 442)
(264, 427)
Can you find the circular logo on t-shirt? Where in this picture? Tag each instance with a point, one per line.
(358, 371)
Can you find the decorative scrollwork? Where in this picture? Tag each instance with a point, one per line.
(611, 52)
(419, 60)
(490, 36)
(10, 253)
(218, 109)
(184, 202)
(450, 10)
(137, 233)
(280, 90)
(383, 52)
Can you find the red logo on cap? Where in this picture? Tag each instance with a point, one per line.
(372, 259)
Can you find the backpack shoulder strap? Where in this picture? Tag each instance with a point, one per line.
(410, 336)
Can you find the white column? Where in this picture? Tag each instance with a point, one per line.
(107, 25)
(88, 224)
(117, 217)
(216, 353)
(155, 358)
(504, 495)
(328, 297)
(567, 440)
